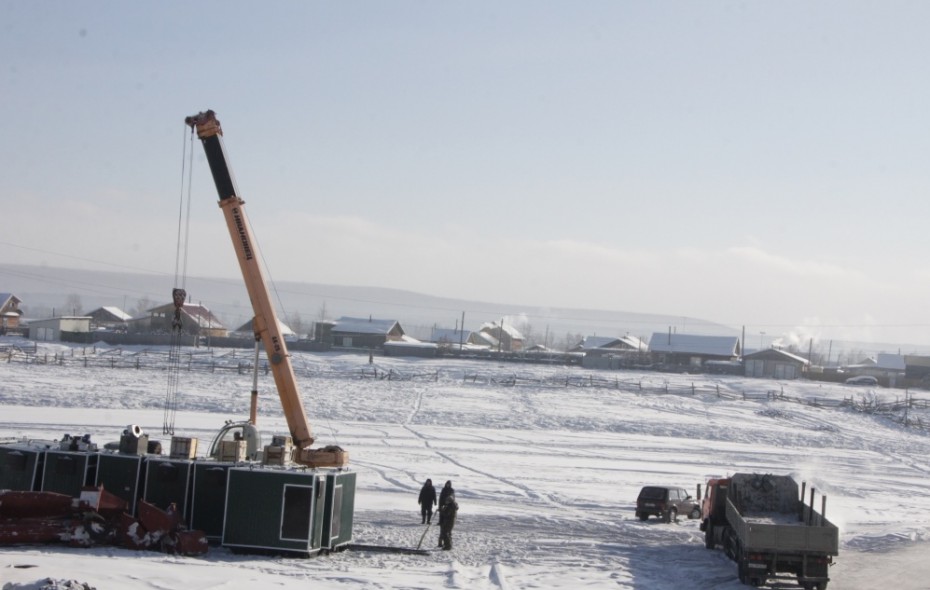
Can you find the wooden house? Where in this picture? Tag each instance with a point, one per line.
(10, 313)
(347, 332)
(195, 319)
(502, 337)
(691, 351)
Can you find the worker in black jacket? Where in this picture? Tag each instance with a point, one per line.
(446, 490)
(448, 509)
(427, 500)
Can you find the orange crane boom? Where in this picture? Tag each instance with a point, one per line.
(265, 324)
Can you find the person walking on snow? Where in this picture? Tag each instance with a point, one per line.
(446, 490)
(448, 508)
(426, 501)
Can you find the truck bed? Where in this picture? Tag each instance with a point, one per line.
(783, 532)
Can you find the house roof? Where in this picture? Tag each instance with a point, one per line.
(623, 342)
(694, 344)
(116, 312)
(449, 335)
(364, 326)
(495, 327)
(285, 329)
(5, 299)
(202, 316)
(776, 353)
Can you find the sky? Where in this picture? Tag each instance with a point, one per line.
(757, 164)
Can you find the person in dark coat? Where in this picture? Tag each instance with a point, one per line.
(426, 501)
(448, 508)
(446, 490)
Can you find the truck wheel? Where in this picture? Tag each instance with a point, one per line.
(709, 535)
(741, 570)
(642, 515)
(695, 513)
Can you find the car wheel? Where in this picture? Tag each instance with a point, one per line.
(695, 513)
(642, 515)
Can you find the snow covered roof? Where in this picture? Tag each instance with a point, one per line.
(6, 298)
(623, 342)
(363, 325)
(114, 312)
(202, 316)
(694, 344)
(284, 328)
(117, 312)
(449, 335)
(774, 352)
(496, 326)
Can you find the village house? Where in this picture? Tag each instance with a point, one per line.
(502, 337)
(609, 352)
(109, 318)
(347, 332)
(247, 331)
(691, 351)
(451, 337)
(195, 319)
(775, 364)
(10, 313)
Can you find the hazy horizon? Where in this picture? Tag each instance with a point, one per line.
(754, 164)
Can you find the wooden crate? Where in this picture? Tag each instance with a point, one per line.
(183, 447)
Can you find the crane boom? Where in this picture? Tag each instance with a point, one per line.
(265, 324)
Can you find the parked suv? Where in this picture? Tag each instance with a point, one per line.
(666, 502)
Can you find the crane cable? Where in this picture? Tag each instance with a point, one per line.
(179, 294)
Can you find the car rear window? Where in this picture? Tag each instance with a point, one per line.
(653, 493)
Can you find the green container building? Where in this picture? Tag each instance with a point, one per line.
(339, 509)
(122, 476)
(168, 481)
(208, 498)
(275, 510)
(21, 467)
(67, 472)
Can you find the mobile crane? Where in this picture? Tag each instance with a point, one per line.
(265, 323)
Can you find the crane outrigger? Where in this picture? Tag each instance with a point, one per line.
(265, 324)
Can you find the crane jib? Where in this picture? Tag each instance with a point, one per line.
(243, 235)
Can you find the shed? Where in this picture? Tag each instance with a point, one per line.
(775, 364)
(53, 329)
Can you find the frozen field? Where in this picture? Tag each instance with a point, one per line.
(546, 462)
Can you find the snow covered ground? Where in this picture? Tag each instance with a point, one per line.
(546, 462)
